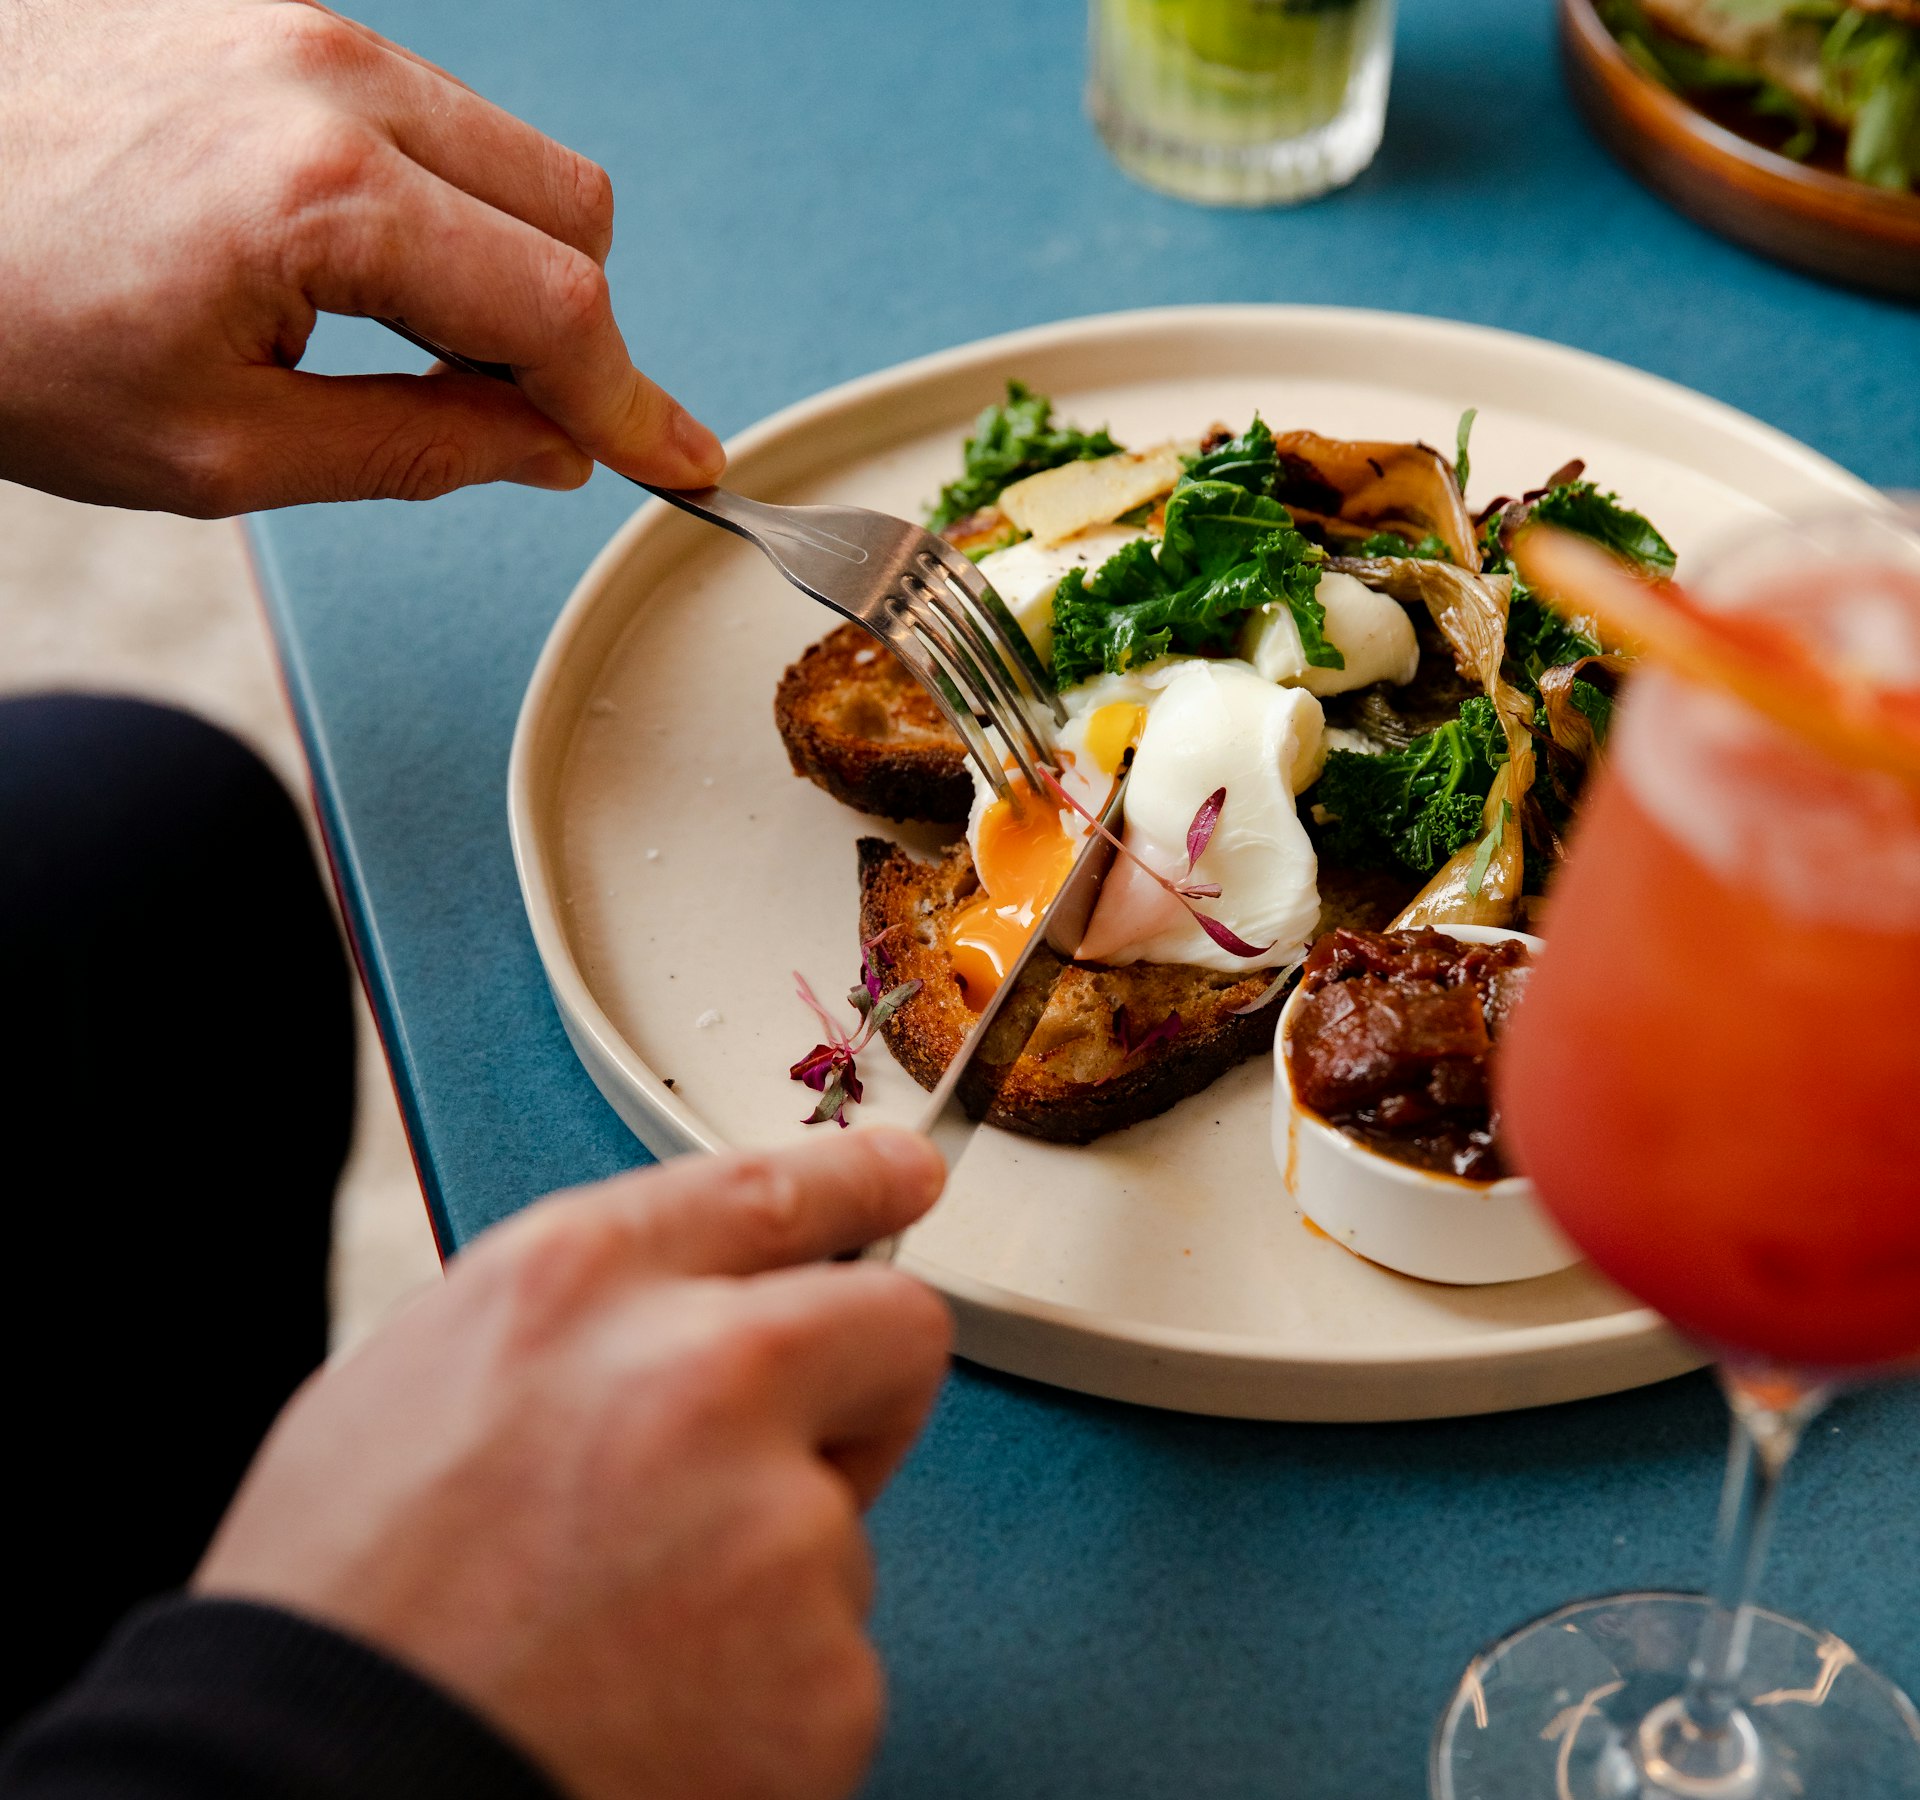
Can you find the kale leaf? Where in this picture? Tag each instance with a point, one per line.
(1432, 547)
(1010, 442)
(1211, 525)
(1227, 547)
(1134, 608)
(1580, 506)
(1539, 639)
(1248, 461)
(1417, 806)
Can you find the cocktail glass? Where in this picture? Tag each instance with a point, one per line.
(1714, 1083)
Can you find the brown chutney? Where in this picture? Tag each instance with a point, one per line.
(1392, 1041)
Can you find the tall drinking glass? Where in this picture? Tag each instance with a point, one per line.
(1241, 102)
(1714, 1083)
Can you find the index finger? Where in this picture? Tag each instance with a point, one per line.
(381, 237)
(741, 1214)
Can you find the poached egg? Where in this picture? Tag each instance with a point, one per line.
(1195, 726)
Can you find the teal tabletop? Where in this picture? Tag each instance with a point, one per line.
(1077, 1598)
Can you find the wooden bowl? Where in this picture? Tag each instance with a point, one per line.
(1865, 236)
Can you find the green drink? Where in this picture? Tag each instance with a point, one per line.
(1241, 102)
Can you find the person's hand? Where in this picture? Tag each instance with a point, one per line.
(183, 185)
(606, 1483)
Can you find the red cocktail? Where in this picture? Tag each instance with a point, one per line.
(1715, 1081)
(1714, 1084)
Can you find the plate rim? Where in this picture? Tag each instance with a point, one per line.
(676, 1127)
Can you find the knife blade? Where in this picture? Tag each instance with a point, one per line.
(980, 1067)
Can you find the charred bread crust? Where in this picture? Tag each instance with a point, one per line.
(1094, 1062)
(857, 724)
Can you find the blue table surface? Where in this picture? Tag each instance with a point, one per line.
(1078, 1598)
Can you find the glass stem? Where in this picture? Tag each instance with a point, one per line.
(1770, 1411)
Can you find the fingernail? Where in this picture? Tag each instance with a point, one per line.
(697, 444)
(561, 468)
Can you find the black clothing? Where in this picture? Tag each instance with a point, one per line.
(176, 1093)
(222, 1700)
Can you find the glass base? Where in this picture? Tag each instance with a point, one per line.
(1570, 1708)
(1257, 174)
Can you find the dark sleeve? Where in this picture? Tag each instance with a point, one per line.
(199, 1698)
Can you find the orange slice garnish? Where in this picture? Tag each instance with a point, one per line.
(1757, 659)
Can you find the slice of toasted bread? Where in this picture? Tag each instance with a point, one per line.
(1107, 1050)
(854, 721)
(1114, 1045)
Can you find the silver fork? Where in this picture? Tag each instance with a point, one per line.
(917, 594)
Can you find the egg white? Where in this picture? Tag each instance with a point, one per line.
(1210, 724)
(1025, 574)
(1372, 633)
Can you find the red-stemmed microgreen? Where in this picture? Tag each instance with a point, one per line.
(1186, 890)
(828, 1068)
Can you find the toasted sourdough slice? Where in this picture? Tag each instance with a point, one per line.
(854, 721)
(1113, 1046)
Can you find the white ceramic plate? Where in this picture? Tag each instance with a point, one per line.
(676, 873)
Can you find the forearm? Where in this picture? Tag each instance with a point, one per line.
(215, 1697)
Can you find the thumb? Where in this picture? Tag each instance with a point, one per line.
(299, 438)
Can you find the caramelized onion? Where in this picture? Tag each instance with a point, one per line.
(1567, 725)
(1405, 488)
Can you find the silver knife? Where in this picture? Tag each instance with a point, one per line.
(972, 1082)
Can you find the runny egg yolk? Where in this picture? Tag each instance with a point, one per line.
(1022, 855)
(1112, 731)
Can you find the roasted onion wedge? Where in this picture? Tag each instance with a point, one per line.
(1405, 488)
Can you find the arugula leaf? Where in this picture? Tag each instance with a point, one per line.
(1431, 548)
(1009, 442)
(1461, 462)
(1416, 806)
(1248, 461)
(1580, 506)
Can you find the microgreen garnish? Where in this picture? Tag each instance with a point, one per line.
(1462, 465)
(828, 1068)
(1185, 890)
(1483, 857)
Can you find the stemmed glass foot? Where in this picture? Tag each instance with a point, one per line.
(1584, 1705)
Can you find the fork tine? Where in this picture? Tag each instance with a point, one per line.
(923, 614)
(1012, 683)
(993, 691)
(1002, 626)
(906, 643)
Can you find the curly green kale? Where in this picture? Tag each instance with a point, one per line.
(1010, 442)
(1248, 461)
(1431, 548)
(1413, 807)
(1580, 506)
(1227, 549)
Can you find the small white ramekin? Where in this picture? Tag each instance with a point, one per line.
(1437, 1227)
